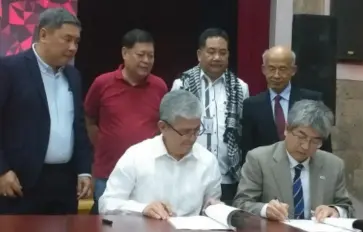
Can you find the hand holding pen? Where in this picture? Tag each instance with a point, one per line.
(277, 210)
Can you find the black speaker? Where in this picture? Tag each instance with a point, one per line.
(350, 33)
(314, 43)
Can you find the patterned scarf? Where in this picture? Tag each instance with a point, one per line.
(232, 137)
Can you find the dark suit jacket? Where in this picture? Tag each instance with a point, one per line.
(258, 125)
(25, 120)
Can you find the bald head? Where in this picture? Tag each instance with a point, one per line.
(278, 67)
(281, 53)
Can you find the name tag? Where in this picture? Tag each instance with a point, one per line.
(208, 125)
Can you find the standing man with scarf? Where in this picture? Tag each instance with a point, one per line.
(222, 94)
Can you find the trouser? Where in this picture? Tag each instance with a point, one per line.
(55, 193)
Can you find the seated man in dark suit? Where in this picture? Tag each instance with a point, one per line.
(265, 114)
(294, 178)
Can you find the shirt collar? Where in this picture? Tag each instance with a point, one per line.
(285, 94)
(161, 151)
(119, 76)
(205, 76)
(293, 162)
(44, 67)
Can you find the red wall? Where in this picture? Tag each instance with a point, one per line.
(19, 19)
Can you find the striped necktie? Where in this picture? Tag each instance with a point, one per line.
(298, 193)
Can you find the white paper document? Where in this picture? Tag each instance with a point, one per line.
(216, 219)
(329, 225)
(345, 223)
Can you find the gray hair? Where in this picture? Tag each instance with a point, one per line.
(313, 114)
(264, 56)
(180, 103)
(54, 18)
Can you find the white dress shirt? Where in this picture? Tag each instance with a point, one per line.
(214, 99)
(305, 184)
(146, 173)
(61, 112)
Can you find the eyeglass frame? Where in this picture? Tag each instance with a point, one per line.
(305, 139)
(200, 132)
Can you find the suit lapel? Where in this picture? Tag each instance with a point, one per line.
(268, 114)
(282, 175)
(35, 75)
(294, 96)
(316, 185)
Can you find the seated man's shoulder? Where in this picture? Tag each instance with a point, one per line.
(263, 153)
(143, 148)
(329, 159)
(205, 155)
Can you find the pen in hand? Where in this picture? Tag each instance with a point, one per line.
(287, 217)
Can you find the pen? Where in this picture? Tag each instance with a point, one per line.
(107, 222)
(287, 218)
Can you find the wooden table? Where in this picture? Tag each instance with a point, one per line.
(90, 223)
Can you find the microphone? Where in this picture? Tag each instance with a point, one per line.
(358, 224)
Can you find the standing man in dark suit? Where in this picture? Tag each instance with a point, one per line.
(45, 155)
(264, 115)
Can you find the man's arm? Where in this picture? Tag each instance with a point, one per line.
(92, 107)
(249, 190)
(341, 197)
(92, 129)
(82, 148)
(213, 190)
(119, 187)
(5, 87)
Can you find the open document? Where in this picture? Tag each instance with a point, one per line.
(217, 217)
(328, 225)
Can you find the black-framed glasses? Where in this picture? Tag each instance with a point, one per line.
(316, 142)
(196, 132)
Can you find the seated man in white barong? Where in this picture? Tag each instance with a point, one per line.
(169, 174)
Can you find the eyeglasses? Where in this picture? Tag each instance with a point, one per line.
(316, 142)
(196, 132)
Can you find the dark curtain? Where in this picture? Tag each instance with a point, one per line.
(253, 40)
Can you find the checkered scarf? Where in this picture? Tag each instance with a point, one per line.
(232, 136)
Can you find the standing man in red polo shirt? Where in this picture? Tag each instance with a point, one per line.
(122, 107)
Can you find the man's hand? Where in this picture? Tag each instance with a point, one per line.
(84, 187)
(158, 210)
(277, 211)
(212, 201)
(10, 185)
(324, 211)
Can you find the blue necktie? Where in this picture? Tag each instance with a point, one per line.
(298, 193)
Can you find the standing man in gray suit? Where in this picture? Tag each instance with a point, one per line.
(293, 178)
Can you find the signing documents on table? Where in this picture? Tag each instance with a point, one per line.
(328, 225)
(218, 217)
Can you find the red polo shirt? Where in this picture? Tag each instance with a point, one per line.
(126, 115)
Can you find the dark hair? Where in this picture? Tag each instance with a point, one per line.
(136, 36)
(212, 32)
